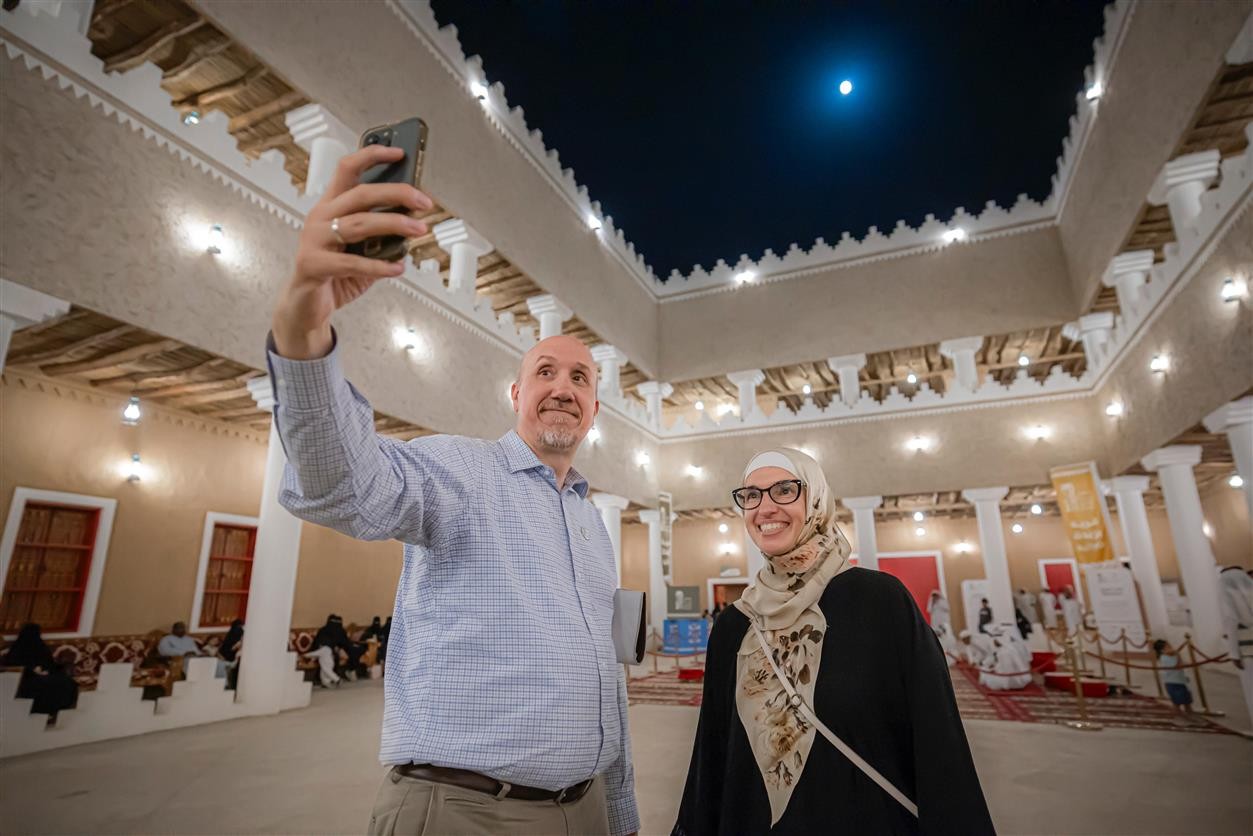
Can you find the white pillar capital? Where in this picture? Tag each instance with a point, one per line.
(464, 246)
(847, 368)
(1128, 273)
(985, 495)
(654, 391)
(262, 391)
(325, 138)
(749, 377)
(962, 353)
(1094, 331)
(1101, 321)
(747, 381)
(1126, 485)
(26, 306)
(608, 500)
(1230, 415)
(1236, 420)
(550, 312)
(651, 517)
(456, 231)
(1180, 185)
(861, 503)
(610, 360)
(1176, 455)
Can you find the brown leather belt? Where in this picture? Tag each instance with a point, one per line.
(468, 780)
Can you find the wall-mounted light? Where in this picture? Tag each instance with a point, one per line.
(723, 528)
(191, 118)
(726, 548)
(1160, 363)
(134, 469)
(593, 435)
(745, 276)
(408, 340)
(131, 413)
(920, 531)
(919, 516)
(963, 547)
(1037, 509)
(1207, 529)
(1094, 91)
(217, 239)
(642, 459)
(1036, 432)
(723, 408)
(918, 444)
(478, 90)
(1114, 409)
(593, 223)
(1016, 528)
(1233, 289)
(954, 235)
(695, 471)
(1236, 481)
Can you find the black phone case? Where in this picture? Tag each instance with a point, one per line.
(411, 136)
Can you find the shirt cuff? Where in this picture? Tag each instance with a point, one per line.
(623, 816)
(304, 384)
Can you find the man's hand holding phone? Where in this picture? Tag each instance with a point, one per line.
(327, 278)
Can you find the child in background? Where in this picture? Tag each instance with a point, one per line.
(1173, 677)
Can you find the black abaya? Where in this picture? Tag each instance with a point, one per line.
(884, 688)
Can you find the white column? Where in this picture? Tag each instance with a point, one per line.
(962, 353)
(464, 245)
(995, 562)
(21, 306)
(756, 560)
(746, 382)
(1128, 273)
(863, 524)
(611, 508)
(325, 138)
(1180, 185)
(1128, 492)
(848, 368)
(265, 664)
(1094, 331)
(1236, 420)
(653, 392)
(550, 313)
(1192, 548)
(610, 361)
(656, 580)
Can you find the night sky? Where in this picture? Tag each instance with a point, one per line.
(708, 130)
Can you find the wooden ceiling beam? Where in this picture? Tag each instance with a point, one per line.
(114, 358)
(197, 55)
(217, 93)
(290, 100)
(24, 358)
(137, 54)
(160, 376)
(200, 386)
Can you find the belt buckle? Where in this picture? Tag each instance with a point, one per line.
(561, 795)
(573, 789)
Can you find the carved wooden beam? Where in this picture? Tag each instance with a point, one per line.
(288, 101)
(197, 54)
(86, 343)
(207, 398)
(114, 358)
(213, 95)
(156, 378)
(136, 54)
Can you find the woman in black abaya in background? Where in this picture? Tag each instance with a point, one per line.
(857, 655)
(43, 680)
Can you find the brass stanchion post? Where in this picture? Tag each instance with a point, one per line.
(1200, 686)
(1126, 658)
(1083, 723)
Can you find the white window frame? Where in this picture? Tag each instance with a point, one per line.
(211, 520)
(99, 553)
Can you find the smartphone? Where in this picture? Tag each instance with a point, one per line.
(411, 136)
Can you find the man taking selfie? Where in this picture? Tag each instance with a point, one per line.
(505, 708)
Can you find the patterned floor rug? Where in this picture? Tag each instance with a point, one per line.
(1029, 705)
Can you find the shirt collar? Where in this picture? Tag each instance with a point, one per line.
(520, 456)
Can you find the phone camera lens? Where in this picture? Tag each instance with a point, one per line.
(373, 139)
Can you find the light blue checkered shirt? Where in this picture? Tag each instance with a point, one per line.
(500, 658)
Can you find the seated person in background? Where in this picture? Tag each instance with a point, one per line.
(231, 645)
(177, 644)
(333, 635)
(43, 680)
(374, 631)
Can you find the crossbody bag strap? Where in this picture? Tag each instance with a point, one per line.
(798, 702)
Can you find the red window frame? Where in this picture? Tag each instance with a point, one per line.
(228, 577)
(34, 585)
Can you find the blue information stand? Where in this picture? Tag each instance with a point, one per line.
(684, 635)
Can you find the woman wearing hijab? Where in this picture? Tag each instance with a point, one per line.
(855, 656)
(43, 680)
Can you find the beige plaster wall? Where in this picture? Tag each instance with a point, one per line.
(471, 168)
(986, 287)
(1170, 55)
(80, 187)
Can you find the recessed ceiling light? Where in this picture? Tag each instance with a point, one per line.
(723, 528)
(1037, 509)
(700, 406)
(191, 118)
(1016, 528)
(911, 378)
(1236, 481)
(919, 516)
(920, 531)
(1024, 360)
(131, 414)
(807, 389)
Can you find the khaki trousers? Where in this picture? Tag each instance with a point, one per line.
(413, 807)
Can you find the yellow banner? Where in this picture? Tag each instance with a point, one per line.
(1083, 511)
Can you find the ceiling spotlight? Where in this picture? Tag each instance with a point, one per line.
(1094, 91)
(695, 471)
(1024, 360)
(919, 516)
(134, 469)
(700, 406)
(745, 276)
(911, 378)
(1232, 289)
(130, 415)
(846, 87)
(807, 389)
(1016, 528)
(593, 435)
(1114, 408)
(642, 459)
(954, 235)
(918, 443)
(191, 118)
(1160, 363)
(216, 239)
(1037, 509)
(723, 528)
(478, 90)
(1236, 481)
(920, 531)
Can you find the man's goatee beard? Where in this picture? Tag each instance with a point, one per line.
(557, 439)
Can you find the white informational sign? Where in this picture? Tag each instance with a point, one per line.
(1176, 605)
(1112, 593)
(973, 593)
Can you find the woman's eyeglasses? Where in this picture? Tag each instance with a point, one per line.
(782, 493)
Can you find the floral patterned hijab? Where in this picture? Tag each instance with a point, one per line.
(783, 600)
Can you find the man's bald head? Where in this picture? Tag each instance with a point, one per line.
(560, 345)
(555, 394)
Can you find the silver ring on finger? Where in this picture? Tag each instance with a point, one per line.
(335, 232)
